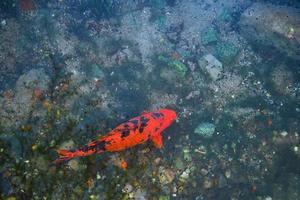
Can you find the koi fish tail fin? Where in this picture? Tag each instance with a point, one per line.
(64, 156)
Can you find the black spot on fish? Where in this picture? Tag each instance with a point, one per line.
(144, 119)
(156, 129)
(100, 145)
(85, 148)
(156, 115)
(141, 129)
(95, 147)
(134, 121)
(109, 142)
(125, 133)
(144, 122)
(126, 125)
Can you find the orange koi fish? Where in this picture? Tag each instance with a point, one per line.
(148, 126)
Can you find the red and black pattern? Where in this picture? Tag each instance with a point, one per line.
(128, 134)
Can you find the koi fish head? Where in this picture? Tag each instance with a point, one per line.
(169, 116)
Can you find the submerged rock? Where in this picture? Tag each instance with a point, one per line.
(212, 65)
(226, 51)
(271, 25)
(127, 188)
(185, 175)
(209, 36)
(205, 129)
(17, 110)
(166, 176)
(139, 194)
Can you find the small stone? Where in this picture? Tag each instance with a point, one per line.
(166, 176)
(284, 133)
(184, 176)
(296, 149)
(3, 22)
(157, 160)
(205, 129)
(204, 172)
(74, 164)
(227, 173)
(128, 188)
(139, 194)
(34, 147)
(93, 197)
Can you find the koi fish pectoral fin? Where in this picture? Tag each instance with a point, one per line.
(157, 141)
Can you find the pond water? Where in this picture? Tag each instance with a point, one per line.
(72, 71)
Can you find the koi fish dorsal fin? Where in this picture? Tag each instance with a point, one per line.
(157, 141)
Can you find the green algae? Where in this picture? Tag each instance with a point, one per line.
(179, 67)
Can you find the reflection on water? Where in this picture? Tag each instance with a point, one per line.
(71, 71)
